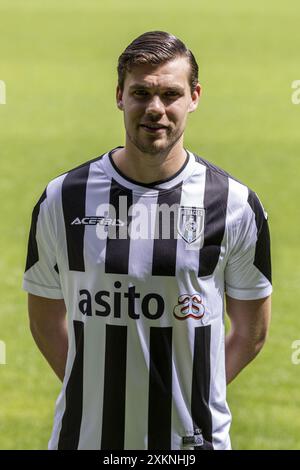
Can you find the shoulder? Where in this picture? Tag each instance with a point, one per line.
(211, 167)
(241, 198)
(217, 178)
(72, 179)
(219, 173)
(83, 166)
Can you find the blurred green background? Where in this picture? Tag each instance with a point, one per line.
(58, 60)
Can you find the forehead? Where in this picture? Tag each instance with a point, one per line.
(174, 72)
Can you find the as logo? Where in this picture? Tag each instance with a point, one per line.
(189, 306)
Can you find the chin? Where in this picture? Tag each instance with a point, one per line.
(155, 149)
(152, 148)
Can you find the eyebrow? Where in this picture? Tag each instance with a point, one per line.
(175, 87)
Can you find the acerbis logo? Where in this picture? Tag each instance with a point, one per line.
(189, 306)
(94, 220)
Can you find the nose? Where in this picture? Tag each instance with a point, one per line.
(155, 106)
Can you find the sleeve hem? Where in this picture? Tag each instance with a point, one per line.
(249, 294)
(42, 291)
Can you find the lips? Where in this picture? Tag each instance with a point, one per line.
(153, 127)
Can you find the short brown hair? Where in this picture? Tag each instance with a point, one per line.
(155, 47)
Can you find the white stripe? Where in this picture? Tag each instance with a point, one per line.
(93, 380)
(141, 248)
(237, 199)
(182, 374)
(97, 203)
(192, 195)
(94, 345)
(137, 385)
(187, 265)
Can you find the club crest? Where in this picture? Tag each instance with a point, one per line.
(190, 223)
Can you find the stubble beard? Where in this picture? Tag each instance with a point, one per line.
(151, 148)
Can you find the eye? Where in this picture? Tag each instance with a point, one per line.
(140, 93)
(171, 94)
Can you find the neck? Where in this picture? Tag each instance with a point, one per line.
(146, 168)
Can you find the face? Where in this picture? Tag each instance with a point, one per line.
(156, 101)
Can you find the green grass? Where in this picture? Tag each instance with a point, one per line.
(58, 59)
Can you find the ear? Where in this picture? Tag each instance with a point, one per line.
(119, 98)
(195, 98)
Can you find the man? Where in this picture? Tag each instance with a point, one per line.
(139, 247)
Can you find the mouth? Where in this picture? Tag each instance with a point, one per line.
(153, 128)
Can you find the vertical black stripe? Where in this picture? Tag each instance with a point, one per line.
(215, 204)
(117, 246)
(71, 422)
(32, 251)
(113, 422)
(73, 203)
(160, 389)
(164, 249)
(201, 413)
(262, 258)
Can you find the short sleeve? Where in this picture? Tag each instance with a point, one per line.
(248, 269)
(41, 275)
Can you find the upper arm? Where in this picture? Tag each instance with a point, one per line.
(45, 314)
(249, 318)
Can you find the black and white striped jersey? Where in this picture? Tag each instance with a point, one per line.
(143, 269)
